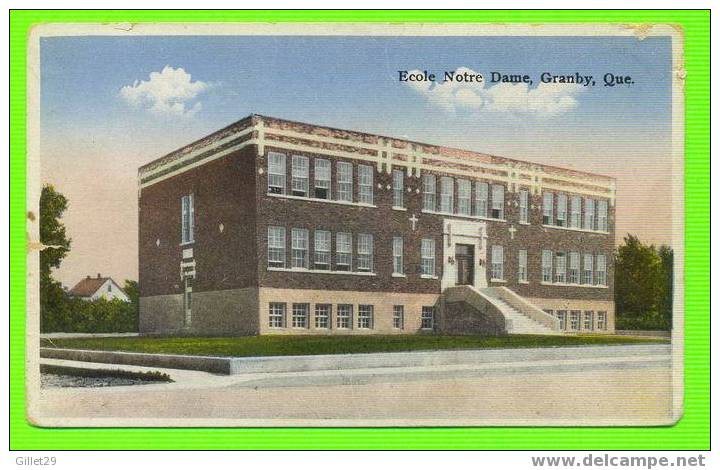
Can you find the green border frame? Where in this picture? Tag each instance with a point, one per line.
(691, 432)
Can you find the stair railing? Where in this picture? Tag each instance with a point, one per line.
(527, 308)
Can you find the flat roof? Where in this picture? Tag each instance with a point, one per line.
(441, 150)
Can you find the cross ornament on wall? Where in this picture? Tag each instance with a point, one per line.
(414, 220)
(512, 231)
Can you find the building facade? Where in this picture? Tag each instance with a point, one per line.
(271, 226)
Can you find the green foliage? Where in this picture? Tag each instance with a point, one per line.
(643, 286)
(132, 290)
(54, 306)
(73, 315)
(52, 231)
(308, 345)
(59, 311)
(149, 376)
(647, 321)
(53, 298)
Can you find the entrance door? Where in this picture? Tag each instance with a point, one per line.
(465, 259)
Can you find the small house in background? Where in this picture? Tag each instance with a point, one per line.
(94, 288)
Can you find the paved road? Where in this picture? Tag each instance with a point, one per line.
(601, 391)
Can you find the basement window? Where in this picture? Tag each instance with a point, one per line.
(365, 317)
(322, 316)
(277, 315)
(427, 319)
(344, 316)
(602, 320)
(575, 320)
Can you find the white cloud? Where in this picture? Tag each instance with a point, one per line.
(169, 92)
(547, 99)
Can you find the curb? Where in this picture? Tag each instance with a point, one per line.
(272, 364)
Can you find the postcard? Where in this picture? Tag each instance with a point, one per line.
(301, 224)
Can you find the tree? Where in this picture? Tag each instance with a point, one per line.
(666, 300)
(53, 298)
(132, 290)
(642, 285)
(52, 231)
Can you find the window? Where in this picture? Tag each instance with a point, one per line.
(589, 214)
(429, 203)
(398, 317)
(560, 266)
(322, 249)
(522, 266)
(276, 247)
(481, 199)
(496, 269)
(344, 316)
(365, 317)
(323, 179)
(398, 255)
(398, 188)
(574, 273)
(498, 202)
(277, 315)
(299, 248)
(345, 182)
(561, 210)
(322, 315)
(464, 197)
(188, 219)
(547, 270)
(427, 257)
(547, 208)
(600, 271)
(446, 194)
(602, 216)
(562, 318)
(109, 287)
(365, 173)
(365, 252)
(427, 318)
(524, 216)
(602, 320)
(574, 319)
(276, 173)
(575, 212)
(588, 320)
(588, 269)
(300, 314)
(300, 175)
(343, 252)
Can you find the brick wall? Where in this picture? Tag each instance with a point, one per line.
(382, 222)
(534, 238)
(224, 194)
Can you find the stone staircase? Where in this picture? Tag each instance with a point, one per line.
(516, 321)
(492, 311)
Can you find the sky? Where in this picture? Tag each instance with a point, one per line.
(110, 104)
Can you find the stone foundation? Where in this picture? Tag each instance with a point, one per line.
(582, 305)
(219, 313)
(382, 302)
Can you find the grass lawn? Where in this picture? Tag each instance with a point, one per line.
(301, 345)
